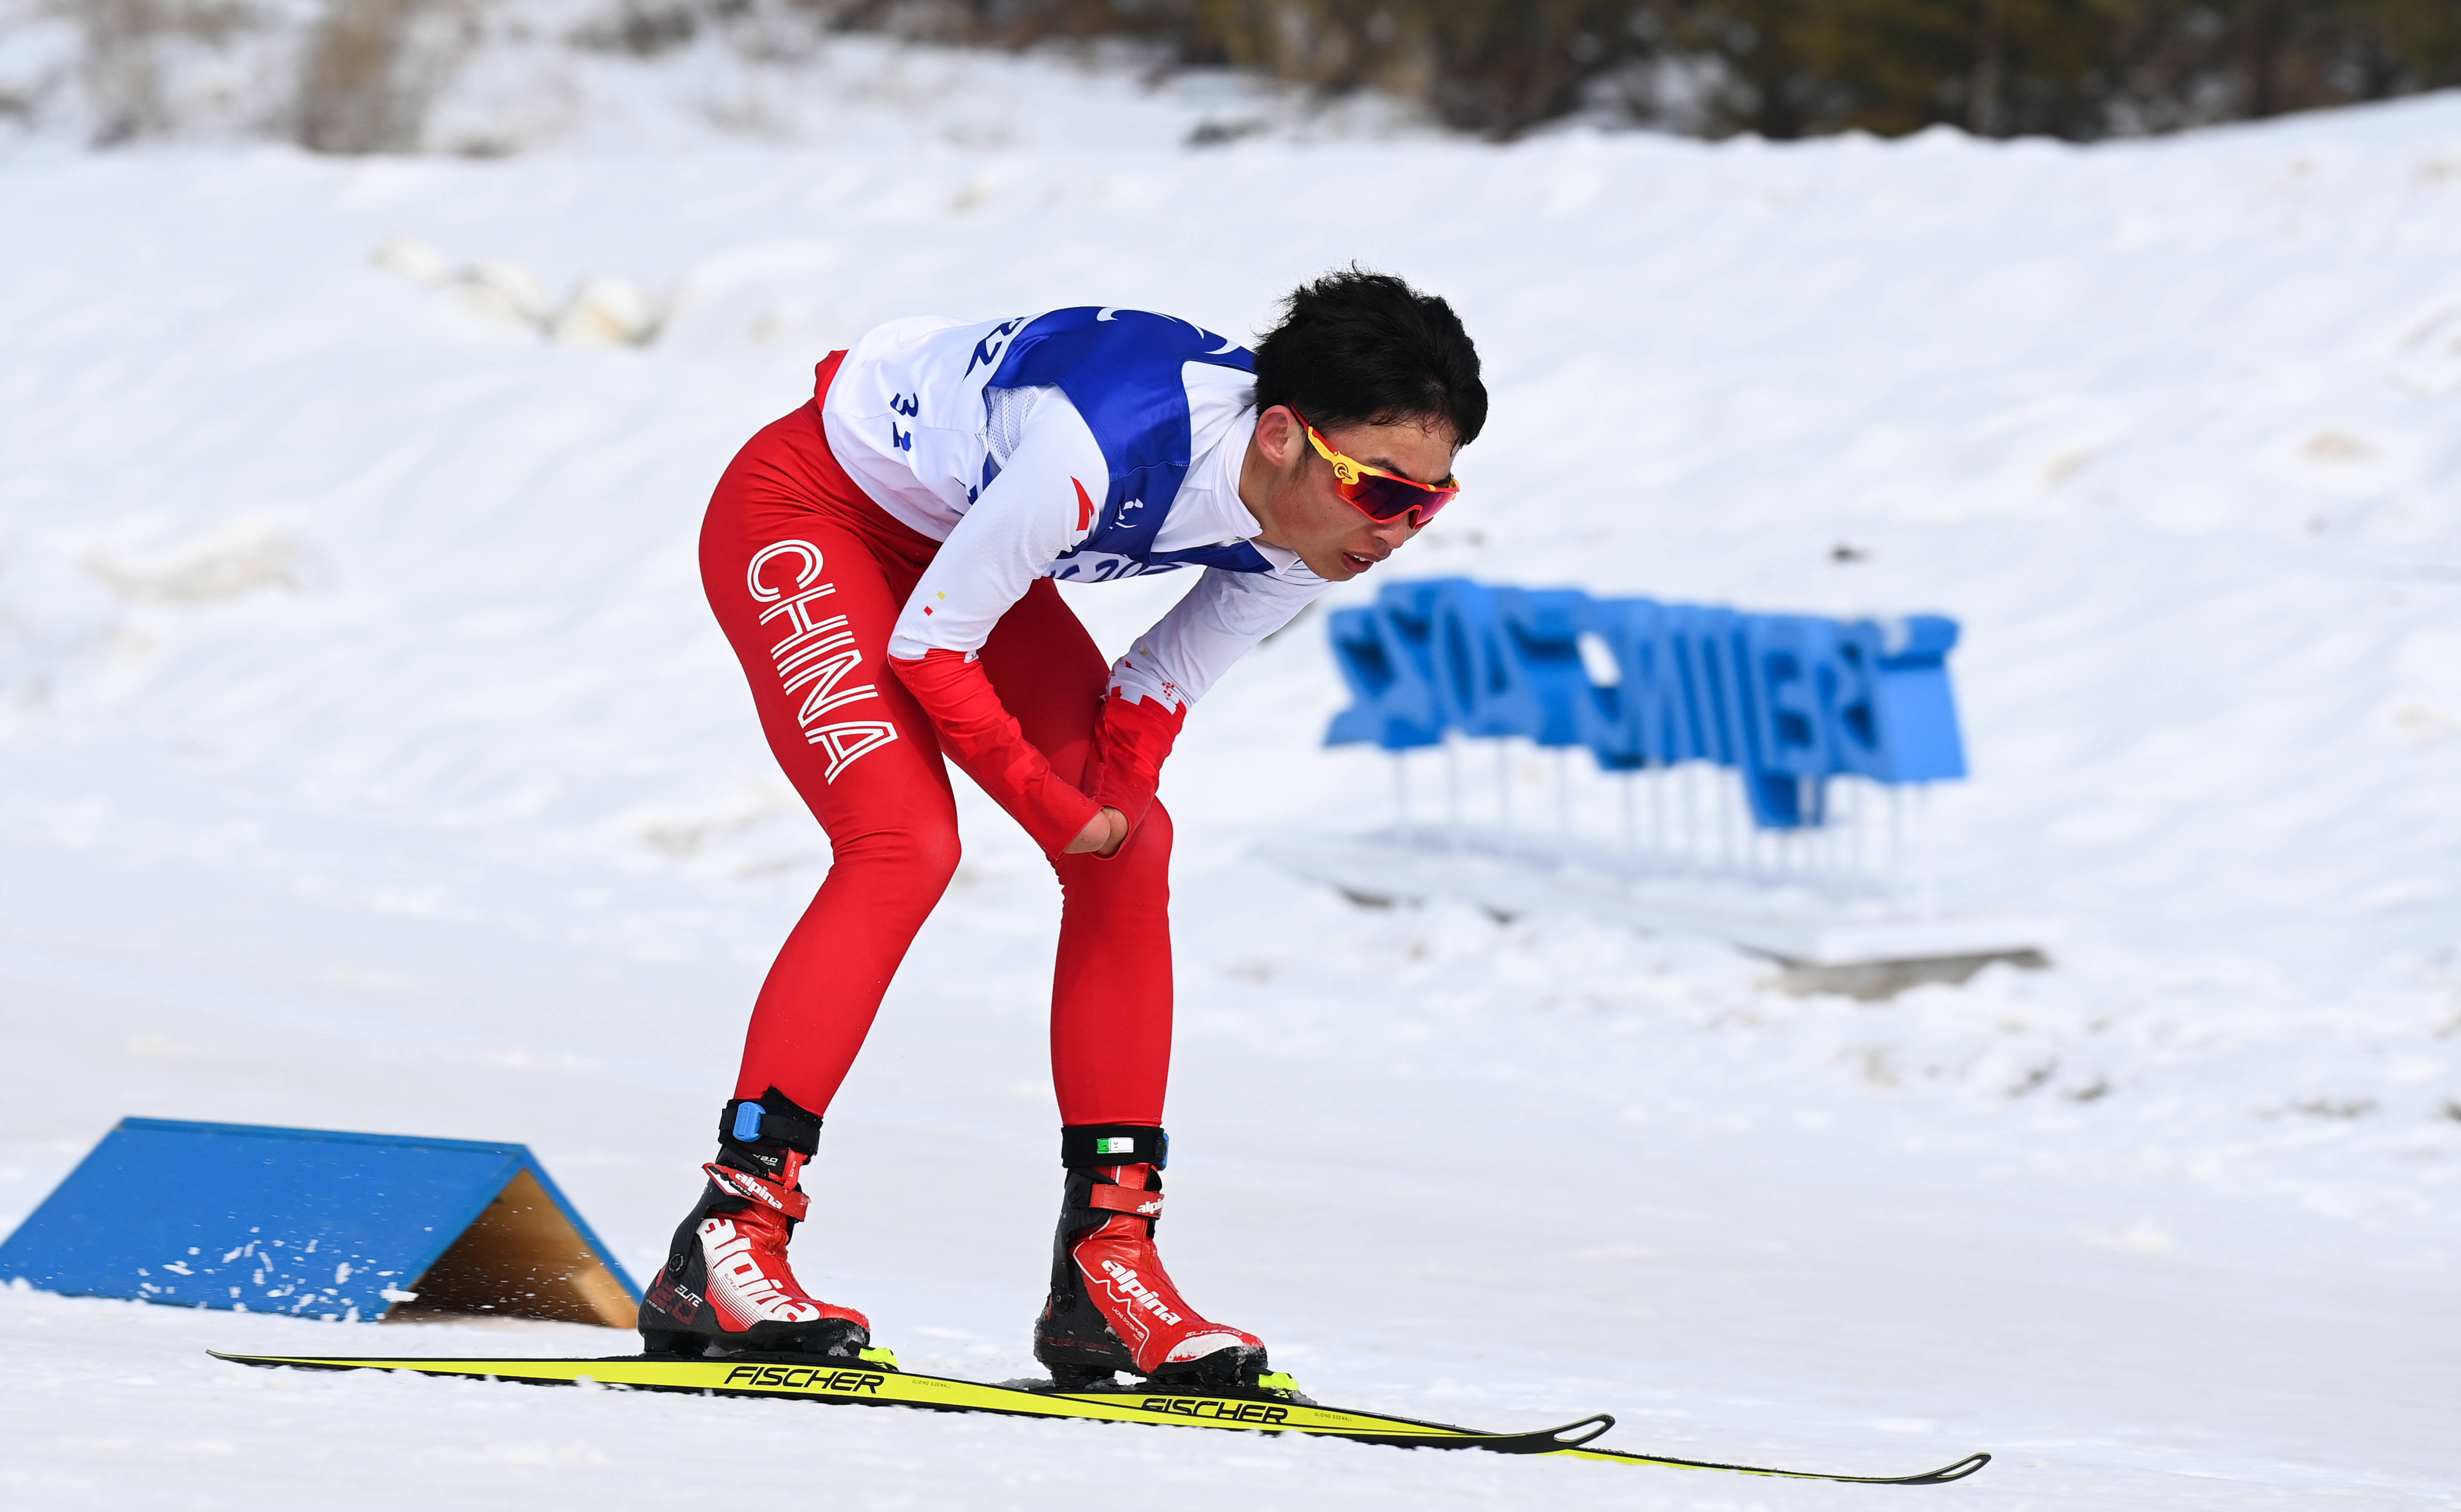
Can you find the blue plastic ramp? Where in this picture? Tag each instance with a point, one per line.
(318, 1223)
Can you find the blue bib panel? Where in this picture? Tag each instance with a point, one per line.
(1122, 370)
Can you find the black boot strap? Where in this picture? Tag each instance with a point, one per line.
(1089, 1145)
(771, 1119)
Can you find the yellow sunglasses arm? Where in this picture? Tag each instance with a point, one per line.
(1344, 467)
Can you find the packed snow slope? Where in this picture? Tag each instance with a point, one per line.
(371, 762)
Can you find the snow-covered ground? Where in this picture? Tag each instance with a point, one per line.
(371, 762)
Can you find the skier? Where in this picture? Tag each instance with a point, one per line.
(883, 561)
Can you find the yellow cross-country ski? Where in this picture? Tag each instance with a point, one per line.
(874, 1380)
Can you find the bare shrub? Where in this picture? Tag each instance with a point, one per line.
(370, 69)
(123, 76)
(126, 73)
(646, 28)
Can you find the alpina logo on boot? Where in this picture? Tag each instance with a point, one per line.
(1124, 1280)
(736, 1276)
(757, 1190)
(787, 1200)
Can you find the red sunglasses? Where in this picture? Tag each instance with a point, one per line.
(1378, 495)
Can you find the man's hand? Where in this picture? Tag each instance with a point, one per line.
(1103, 835)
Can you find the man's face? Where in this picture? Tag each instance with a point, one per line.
(1302, 513)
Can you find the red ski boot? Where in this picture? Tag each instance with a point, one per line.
(726, 1285)
(1112, 1306)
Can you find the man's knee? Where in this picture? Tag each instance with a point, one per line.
(1142, 859)
(1153, 831)
(919, 848)
(936, 853)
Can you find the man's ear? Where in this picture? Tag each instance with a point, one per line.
(1278, 435)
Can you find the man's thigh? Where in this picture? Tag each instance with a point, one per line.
(808, 611)
(1049, 676)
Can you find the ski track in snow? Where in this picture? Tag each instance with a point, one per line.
(372, 763)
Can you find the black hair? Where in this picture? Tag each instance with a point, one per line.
(1357, 348)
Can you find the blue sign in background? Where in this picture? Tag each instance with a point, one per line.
(1786, 700)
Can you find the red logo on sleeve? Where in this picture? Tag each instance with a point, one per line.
(1085, 508)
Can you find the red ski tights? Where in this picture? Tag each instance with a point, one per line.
(806, 576)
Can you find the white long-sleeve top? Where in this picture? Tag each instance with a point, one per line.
(1086, 444)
